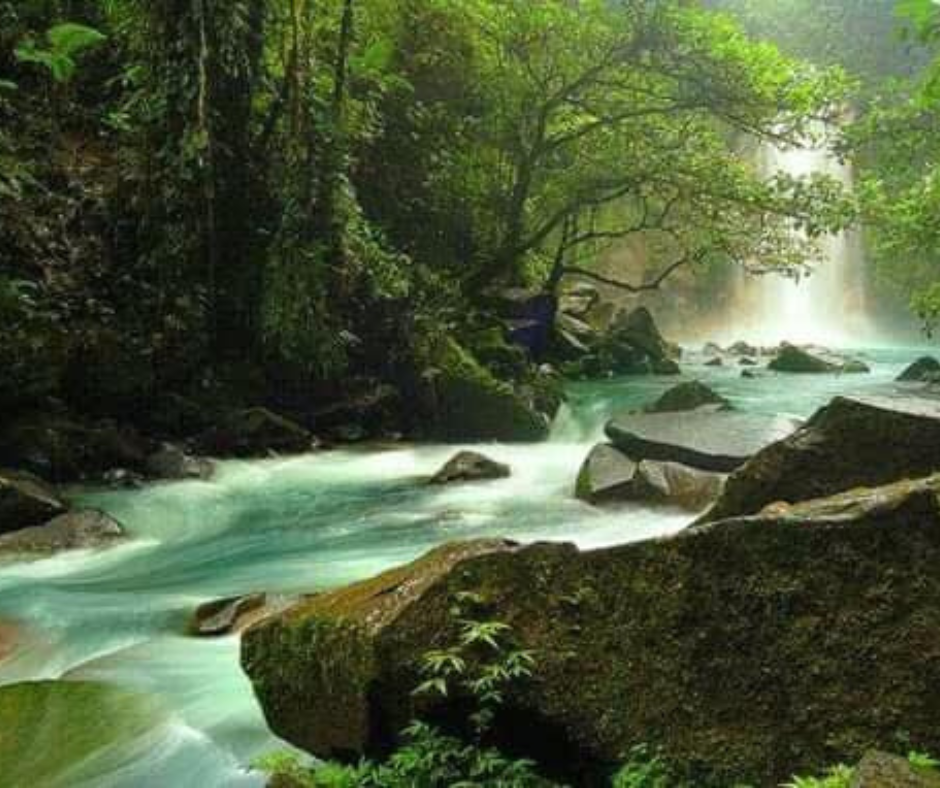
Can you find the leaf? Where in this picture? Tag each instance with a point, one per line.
(69, 39)
(5, 84)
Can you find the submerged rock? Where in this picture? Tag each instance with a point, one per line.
(793, 359)
(881, 770)
(710, 441)
(77, 530)
(688, 396)
(25, 501)
(228, 616)
(172, 463)
(924, 370)
(470, 466)
(852, 442)
(746, 650)
(255, 432)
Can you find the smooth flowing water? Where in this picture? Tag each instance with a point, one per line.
(311, 523)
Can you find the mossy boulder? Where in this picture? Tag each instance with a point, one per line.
(254, 432)
(924, 370)
(799, 360)
(852, 442)
(638, 328)
(747, 650)
(25, 501)
(464, 401)
(688, 396)
(59, 734)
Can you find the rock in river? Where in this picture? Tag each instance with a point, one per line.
(228, 616)
(924, 370)
(710, 441)
(791, 358)
(688, 396)
(25, 501)
(746, 650)
(609, 476)
(852, 442)
(172, 463)
(470, 466)
(76, 530)
(255, 432)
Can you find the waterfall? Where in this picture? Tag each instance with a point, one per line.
(828, 304)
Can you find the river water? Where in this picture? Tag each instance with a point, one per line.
(304, 524)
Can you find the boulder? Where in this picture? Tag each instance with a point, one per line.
(749, 374)
(924, 370)
(718, 361)
(235, 614)
(609, 476)
(745, 650)
(747, 362)
(25, 501)
(78, 530)
(62, 449)
(470, 466)
(255, 432)
(793, 359)
(712, 349)
(172, 463)
(606, 476)
(465, 402)
(710, 441)
(638, 329)
(578, 301)
(881, 770)
(70, 733)
(852, 442)
(688, 396)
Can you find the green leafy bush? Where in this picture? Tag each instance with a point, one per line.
(64, 43)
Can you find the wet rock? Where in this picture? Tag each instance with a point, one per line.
(712, 349)
(25, 501)
(375, 409)
(123, 479)
(61, 733)
(747, 650)
(78, 530)
(255, 432)
(924, 370)
(718, 361)
(470, 466)
(710, 441)
(688, 396)
(749, 374)
(852, 442)
(638, 329)
(235, 614)
(172, 463)
(607, 476)
(881, 770)
(747, 362)
(797, 360)
(62, 449)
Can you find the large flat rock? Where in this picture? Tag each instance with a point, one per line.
(852, 442)
(747, 650)
(710, 441)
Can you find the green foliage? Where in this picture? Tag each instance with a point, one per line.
(645, 770)
(836, 777)
(64, 44)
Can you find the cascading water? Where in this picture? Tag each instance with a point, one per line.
(827, 304)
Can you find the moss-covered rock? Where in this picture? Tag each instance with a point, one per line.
(852, 442)
(688, 396)
(747, 650)
(799, 360)
(924, 370)
(882, 770)
(464, 401)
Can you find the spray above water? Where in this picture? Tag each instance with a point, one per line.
(826, 305)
